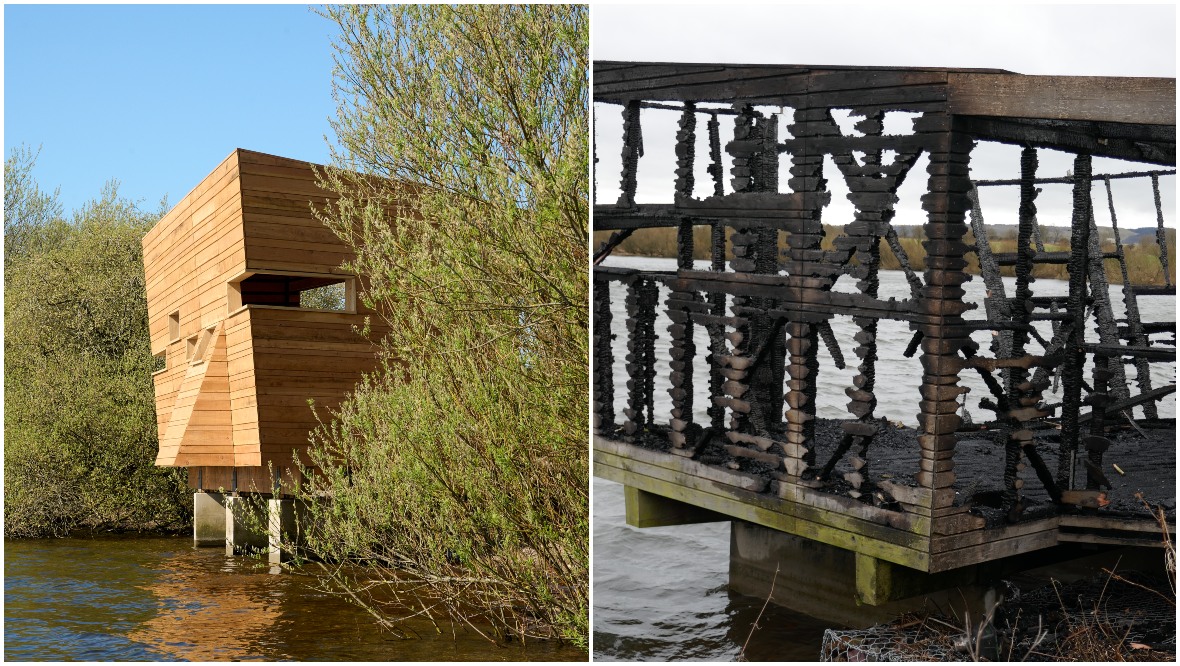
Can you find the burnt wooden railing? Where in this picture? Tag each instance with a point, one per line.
(768, 309)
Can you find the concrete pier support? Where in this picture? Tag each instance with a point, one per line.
(838, 585)
(208, 518)
(245, 525)
(284, 525)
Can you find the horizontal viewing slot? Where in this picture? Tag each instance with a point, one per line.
(327, 293)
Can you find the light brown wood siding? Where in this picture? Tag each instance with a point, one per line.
(242, 401)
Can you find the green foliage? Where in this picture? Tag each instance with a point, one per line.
(328, 297)
(32, 218)
(79, 413)
(463, 463)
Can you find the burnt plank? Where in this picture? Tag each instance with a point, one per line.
(1143, 100)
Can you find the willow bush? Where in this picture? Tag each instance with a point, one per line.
(460, 467)
(79, 410)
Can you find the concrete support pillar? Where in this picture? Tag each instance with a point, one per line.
(838, 585)
(284, 527)
(208, 519)
(245, 526)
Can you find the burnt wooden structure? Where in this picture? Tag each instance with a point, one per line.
(922, 497)
(241, 349)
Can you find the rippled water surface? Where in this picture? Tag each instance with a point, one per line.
(161, 599)
(661, 593)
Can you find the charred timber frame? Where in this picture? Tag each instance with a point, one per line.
(780, 307)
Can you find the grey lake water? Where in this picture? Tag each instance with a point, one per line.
(661, 593)
(161, 599)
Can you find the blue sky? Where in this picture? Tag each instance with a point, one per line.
(157, 96)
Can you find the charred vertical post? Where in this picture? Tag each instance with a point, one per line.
(872, 215)
(686, 146)
(717, 349)
(642, 298)
(632, 151)
(683, 433)
(716, 168)
(755, 250)
(943, 333)
(604, 359)
(807, 233)
(1020, 393)
(1075, 357)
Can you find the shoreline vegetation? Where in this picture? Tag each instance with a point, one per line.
(458, 470)
(80, 423)
(1142, 255)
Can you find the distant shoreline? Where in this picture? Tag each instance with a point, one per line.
(1140, 250)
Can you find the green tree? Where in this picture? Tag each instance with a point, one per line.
(32, 218)
(79, 410)
(462, 170)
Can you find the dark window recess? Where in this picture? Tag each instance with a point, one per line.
(294, 292)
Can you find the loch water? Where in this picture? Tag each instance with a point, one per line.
(135, 598)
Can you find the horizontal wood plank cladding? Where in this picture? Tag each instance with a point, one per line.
(286, 190)
(1140, 100)
(275, 203)
(294, 186)
(242, 391)
(246, 402)
(333, 334)
(300, 233)
(300, 355)
(263, 255)
(191, 253)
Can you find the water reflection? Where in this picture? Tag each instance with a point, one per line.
(219, 615)
(155, 599)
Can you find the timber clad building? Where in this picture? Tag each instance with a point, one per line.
(227, 270)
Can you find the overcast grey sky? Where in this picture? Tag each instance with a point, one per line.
(1093, 40)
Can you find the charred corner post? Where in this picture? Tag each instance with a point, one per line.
(240, 347)
(856, 505)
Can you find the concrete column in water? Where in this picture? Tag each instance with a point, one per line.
(208, 518)
(245, 525)
(286, 517)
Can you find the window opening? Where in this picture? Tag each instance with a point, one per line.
(292, 291)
